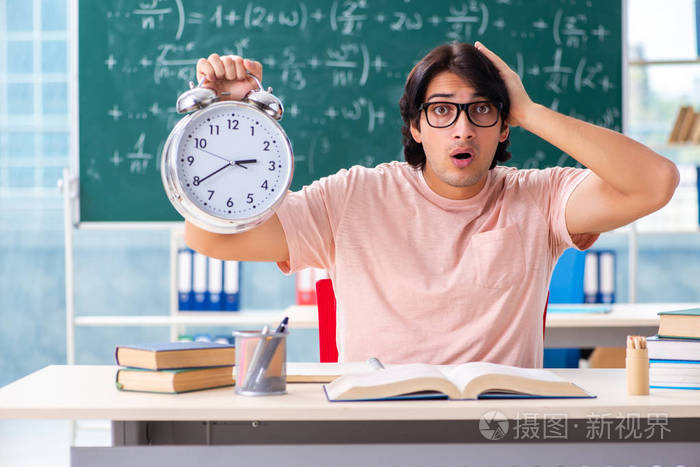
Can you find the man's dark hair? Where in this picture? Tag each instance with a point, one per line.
(465, 61)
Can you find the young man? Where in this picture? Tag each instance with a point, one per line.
(447, 258)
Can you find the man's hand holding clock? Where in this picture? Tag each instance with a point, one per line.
(235, 121)
(228, 75)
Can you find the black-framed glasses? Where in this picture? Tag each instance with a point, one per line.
(443, 114)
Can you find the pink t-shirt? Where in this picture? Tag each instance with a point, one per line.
(422, 278)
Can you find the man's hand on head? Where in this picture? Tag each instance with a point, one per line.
(520, 102)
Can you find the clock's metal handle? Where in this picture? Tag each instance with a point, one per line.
(257, 81)
(199, 97)
(265, 100)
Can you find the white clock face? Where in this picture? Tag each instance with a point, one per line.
(233, 162)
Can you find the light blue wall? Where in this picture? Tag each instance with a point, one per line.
(116, 273)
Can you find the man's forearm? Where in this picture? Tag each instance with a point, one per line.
(266, 242)
(626, 165)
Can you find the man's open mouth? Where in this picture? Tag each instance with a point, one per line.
(462, 155)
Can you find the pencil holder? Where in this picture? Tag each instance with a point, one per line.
(261, 363)
(637, 365)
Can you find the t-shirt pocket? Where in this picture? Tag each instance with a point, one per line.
(499, 258)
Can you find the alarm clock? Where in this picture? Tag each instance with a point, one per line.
(227, 165)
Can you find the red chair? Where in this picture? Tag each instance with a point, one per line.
(325, 298)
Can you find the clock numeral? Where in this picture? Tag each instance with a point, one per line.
(229, 203)
(190, 159)
(211, 193)
(195, 181)
(252, 131)
(200, 143)
(249, 198)
(264, 185)
(232, 124)
(213, 129)
(272, 166)
(267, 145)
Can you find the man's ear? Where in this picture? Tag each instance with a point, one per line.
(415, 132)
(505, 131)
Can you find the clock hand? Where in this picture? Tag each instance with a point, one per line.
(245, 161)
(213, 173)
(215, 155)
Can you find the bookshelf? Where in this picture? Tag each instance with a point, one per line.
(688, 61)
(303, 317)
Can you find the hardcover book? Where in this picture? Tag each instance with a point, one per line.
(174, 381)
(662, 348)
(683, 324)
(677, 374)
(172, 355)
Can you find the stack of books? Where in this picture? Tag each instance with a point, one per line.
(174, 367)
(674, 354)
(686, 128)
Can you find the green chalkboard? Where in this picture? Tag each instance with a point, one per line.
(339, 66)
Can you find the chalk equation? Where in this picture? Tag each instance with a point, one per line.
(461, 20)
(339, 66)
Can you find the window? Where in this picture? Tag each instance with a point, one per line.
(664, 71)
(34, 105)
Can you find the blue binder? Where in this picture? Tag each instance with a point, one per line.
(606, 276)
(199, 281)
(599, 278)
(587, 277)
(215, 281)
(591, 282)
(184, 280)
(566, 286)
(231, 286)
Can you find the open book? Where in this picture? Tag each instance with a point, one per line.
(466, 381)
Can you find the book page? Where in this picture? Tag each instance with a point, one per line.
(325, 369)
(462, 374)
(395, 380)
(303, 372)
(396, 373)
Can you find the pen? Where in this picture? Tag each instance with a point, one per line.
(253, 363)
(268, 353)
(283, 325)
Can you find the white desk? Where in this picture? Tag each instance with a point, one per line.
(219, 426)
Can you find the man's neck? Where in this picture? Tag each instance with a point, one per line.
(448, 191)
